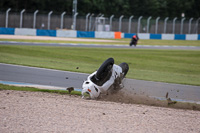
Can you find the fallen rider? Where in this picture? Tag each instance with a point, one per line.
(107, 78)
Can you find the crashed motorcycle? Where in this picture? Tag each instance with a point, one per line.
(107, 78)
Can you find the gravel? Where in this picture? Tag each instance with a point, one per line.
(47, 112)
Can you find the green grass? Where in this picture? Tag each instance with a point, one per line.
(172, 66)
(117, 41)
(170, 42)
(32, 89)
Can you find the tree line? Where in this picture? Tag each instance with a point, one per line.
(162, 8)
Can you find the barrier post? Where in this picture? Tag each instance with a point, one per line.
(49, 19)
(74, 25)
(90, 23)
(156, 28)
(120, 22)
(182, 20)
(21, 18)
(174, 22)
(34, 18)
(86, 21)
(189, 28)
(138, 28)
(129, 25)
(111, 17)
(197, 23)
(165, 24)
(7, 17)
(61, 21)
(148, 22)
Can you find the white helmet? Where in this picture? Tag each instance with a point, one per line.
(90, 90)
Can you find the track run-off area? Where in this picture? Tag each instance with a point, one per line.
(56, 79)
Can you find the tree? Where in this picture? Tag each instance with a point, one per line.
(162, 8)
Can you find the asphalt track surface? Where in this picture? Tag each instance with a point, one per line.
(101, 46)
(49, 77)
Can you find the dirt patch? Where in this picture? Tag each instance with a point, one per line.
(129, 97)
(120, 94)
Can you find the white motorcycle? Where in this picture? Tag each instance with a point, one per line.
(108, 76)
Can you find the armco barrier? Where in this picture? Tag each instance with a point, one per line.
(129, 35)
(118, 35)
(89, 34)
(155, 36)
(66, 33)
(122, 35)
(46, 33)
(179, 37)
(103, 34)
(7, 31)
(167, 37)
(191, 36)
(92, 34)
(144, 35)
(25, 31)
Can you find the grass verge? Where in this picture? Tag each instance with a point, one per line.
(32, 89)
(117, 41)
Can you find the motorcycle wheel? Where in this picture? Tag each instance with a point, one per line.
(104, 68)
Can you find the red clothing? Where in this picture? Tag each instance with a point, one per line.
(134, 36)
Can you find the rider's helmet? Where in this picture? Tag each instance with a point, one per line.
(90, 90)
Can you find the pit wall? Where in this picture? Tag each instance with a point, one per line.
(95, 34)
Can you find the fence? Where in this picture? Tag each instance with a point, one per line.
(92, 23)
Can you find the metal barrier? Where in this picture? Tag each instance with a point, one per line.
(156, 25)
(95, 34)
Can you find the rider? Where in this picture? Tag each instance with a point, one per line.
(134, 40)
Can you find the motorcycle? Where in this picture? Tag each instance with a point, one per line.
(134, 40)
(108, 77)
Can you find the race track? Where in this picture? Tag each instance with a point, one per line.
(101, 46)
(57, 78)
